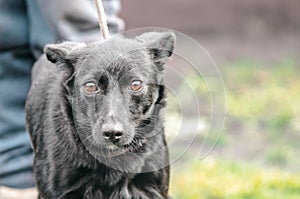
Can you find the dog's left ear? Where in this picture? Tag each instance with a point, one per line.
(161, 45)
(60, 53)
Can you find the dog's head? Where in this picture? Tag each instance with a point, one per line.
(114, 88)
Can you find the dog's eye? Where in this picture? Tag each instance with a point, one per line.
(90, 87)
(136, 85)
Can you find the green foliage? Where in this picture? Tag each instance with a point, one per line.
(262, 109)
(263, 125)
(210, 179)
(278, 155)
(266, 94)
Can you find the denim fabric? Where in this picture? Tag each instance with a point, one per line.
(25, 27)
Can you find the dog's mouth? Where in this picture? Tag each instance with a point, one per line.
(133, 147)
(115, 149)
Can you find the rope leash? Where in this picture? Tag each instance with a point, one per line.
(102, 19)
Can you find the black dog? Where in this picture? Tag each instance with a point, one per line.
(95, 122)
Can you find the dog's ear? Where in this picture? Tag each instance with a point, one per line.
(161, 45)
(60, 53)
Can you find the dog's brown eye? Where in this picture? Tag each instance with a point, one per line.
(136, 85)
(90, 87)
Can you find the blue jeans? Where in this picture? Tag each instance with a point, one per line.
(25, 27)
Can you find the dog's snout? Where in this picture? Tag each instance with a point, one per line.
(113, 131)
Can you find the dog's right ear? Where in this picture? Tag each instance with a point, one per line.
(60, 53)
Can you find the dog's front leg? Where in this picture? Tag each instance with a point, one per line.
(145, 193)
(132, 192)
(93, 194)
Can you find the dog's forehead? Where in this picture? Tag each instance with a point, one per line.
(117, 57)
(112, 49)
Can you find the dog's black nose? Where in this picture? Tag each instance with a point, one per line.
(112, 130)
(113, 136)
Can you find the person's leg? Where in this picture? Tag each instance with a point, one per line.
(15, 66)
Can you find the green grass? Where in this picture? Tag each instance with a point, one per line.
(210, 179)
(269, 95)
(262, 127)
(256, 93)
(265, 100)
(263, 108)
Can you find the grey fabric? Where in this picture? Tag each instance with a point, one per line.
(25, 27)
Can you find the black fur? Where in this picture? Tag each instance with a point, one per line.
(73, 160)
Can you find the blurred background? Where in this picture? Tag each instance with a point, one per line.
(256, 45)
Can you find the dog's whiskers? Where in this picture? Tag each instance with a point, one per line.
(87, 139)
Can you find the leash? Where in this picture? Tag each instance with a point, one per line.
(102, 19)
